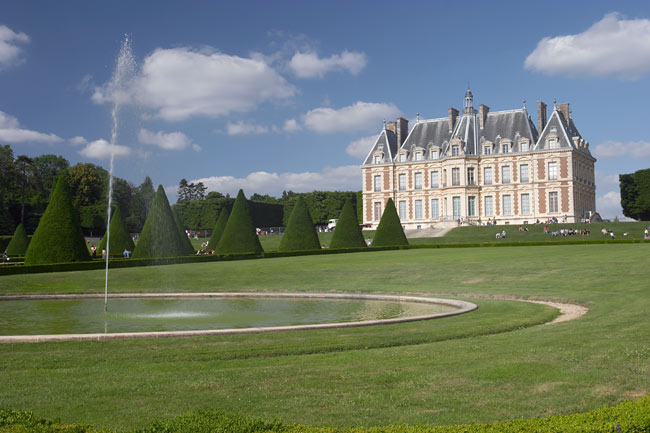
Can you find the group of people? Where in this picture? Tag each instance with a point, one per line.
(568, 232)
(93, 251)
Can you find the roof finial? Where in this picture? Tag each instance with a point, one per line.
(384, 123)
(554, 104)
(417, 119)
(524, 104)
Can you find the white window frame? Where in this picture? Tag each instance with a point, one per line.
(488, 207)
(455, 176)
(522, 178)
(487, 180)
(506, 204)
(525, 204)
(435, 208)
(471, 176)
(418, 209)
(505, 174)
(376, 183)
(402, 209)
(553, 202)
(401, 181)
(376, 211)
(455, 150)
(552, 170)
(417, 180)
(435, 175)
(471, 205)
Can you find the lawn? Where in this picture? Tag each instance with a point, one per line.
(492, 364)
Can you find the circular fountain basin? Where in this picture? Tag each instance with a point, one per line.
(81, 317)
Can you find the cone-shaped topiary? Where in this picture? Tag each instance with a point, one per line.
(219, 227)
(120, 236)
(160, 236)
(189, 248)
(347, 233)
(19, 242)
(301, 233)
(58, 237)
(239, 235)
(389, 231)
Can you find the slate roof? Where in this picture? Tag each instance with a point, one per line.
(385, 142)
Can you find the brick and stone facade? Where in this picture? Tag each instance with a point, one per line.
(481, 166)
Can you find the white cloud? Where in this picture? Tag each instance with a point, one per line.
(166, 140)
(608, 205)
(309, 65)
(180, 83)
(606, 180)
(345, 178)
(612, 47)
(360, 116)
(617, 149)
(360, 148)
(245, 128)
(11, 132)
(78, 140)
(101, 149)
(10, 51)
(291, 125)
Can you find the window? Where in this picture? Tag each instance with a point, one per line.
(523, 173)
(455, 202)
(489, 210)
(402, 157)
(470, 176)
(377, 183)
(401, 178)
(402, 209)
(552, 171)
(524, 146)
(487, 176)
(552, 202)
(435, 208)
(418, 156)
(505, 174)
(376, 215)
(418, 209)
(444, 177)
(418, 181)
(434, 154)
(504, 148)
(507, 204)
(487, 150)
(525, 204)
(471, 206)
(435, 179)
(455, 176)
(552, 143)
(377, 159)
(454, 151)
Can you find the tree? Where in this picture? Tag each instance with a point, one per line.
(301, 233)
(635, 194)
(347, 233)
(183, 192)
(27, 178)
(19, 242)
(160, 235)
(390, 231)
(87, 183)
(120, 238)
(239, 236)
(7, 188)
(48, 167)
(189, 248)
(219, 227)
(58, 237)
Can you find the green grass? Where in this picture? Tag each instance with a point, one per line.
(484, 366)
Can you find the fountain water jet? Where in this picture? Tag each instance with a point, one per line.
(119, 90)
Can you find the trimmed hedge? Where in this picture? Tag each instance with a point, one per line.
(160, 236)
(389, 231)
(629, 416)
(188, 243)
(19, 242)
(219, 227)
(58, 237)
(300, 233)
(120, 236)
(239, 236)
(347, 233)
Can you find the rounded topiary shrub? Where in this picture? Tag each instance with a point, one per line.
(160, 236)
(300, 233)
(347, 233)
(189, 248)
(58, 237)
(120, 238)
(219, 227)
(239, 236)
(19, 242)
(389, 232)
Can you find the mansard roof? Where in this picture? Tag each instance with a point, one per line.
(507, 124)
(386, 142)
(564, 129)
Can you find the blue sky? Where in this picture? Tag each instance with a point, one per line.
(269, 96)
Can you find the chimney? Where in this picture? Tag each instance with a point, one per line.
(541, 116)
(391, 126)
(453, 114)
(564, 109)
(483, 112)
(402, 130)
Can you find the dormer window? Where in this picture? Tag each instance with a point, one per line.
(455, 150)
(377, 159)
(418, 156)
(524, 146)
(487, 150)
(434, 154)
(504, 148)
(552, 143)
(402, 157)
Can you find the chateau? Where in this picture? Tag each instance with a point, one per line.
(479, 166)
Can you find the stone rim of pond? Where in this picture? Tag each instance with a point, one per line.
(462, 307)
